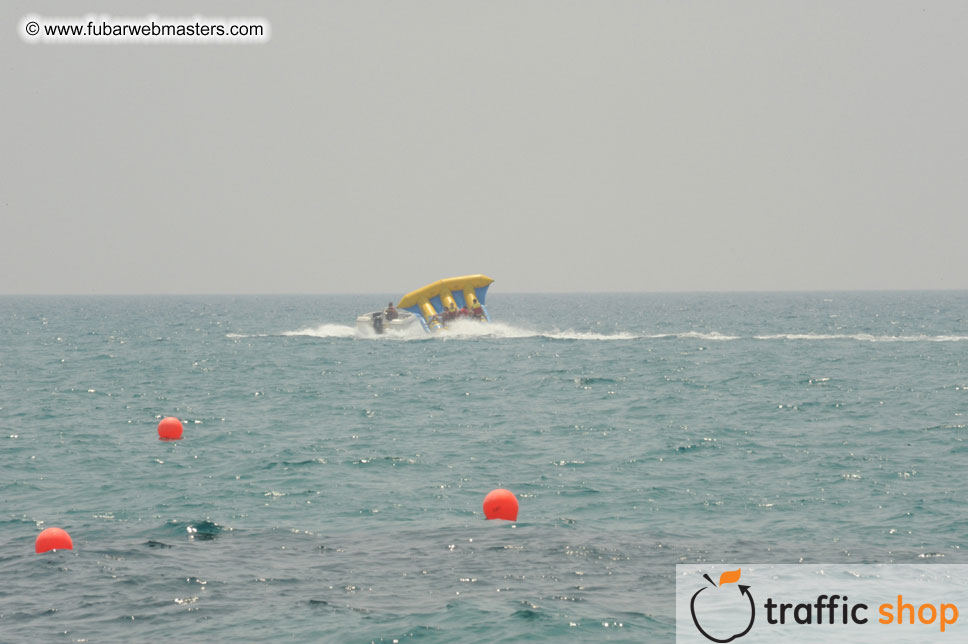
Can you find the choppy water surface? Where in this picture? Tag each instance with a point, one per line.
(329, 486)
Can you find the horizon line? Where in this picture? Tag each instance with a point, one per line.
(553, 292)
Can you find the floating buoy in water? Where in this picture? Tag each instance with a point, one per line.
(53, 539)
(501, 504)
(169, 429)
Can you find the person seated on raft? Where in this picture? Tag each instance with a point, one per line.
(450, 313)
(464, 312)
(391, 312)
(477, 310)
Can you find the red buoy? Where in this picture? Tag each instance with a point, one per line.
(53, 539)
(501, 504)
(169, 429)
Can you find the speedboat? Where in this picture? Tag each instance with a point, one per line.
(378, 323)
(433, 306)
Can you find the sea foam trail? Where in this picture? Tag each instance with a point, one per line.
(321, 331)
(468, 330)
(862, 337)
(456, 331)
(471, 330)
(324, 331)
(714, 336)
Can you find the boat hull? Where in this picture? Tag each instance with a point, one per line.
(375, 323)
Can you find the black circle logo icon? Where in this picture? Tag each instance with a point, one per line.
(740, 601)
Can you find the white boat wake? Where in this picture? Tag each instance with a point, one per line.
(455, 331)
(468, 330)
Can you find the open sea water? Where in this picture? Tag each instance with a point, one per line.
(329, 486)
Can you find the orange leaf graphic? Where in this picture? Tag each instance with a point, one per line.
(729, 577)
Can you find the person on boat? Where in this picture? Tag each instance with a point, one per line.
(476, 309)
(450, 312)
(391, 312)
(464, 312)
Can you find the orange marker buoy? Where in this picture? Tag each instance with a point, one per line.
(169, 429)
(53, 539)
(501, 504)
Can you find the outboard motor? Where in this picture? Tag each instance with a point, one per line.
(378, 322)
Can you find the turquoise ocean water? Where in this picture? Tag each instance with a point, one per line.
(329, 487)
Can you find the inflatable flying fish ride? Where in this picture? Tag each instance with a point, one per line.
(433, 307)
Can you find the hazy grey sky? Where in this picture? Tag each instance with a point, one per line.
(555, 146)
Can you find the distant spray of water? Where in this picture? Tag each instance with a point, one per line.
(321, 331)
(862, 337)
(324, 331)
(466, 330)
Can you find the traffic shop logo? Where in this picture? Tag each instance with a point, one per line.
(734, 600)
